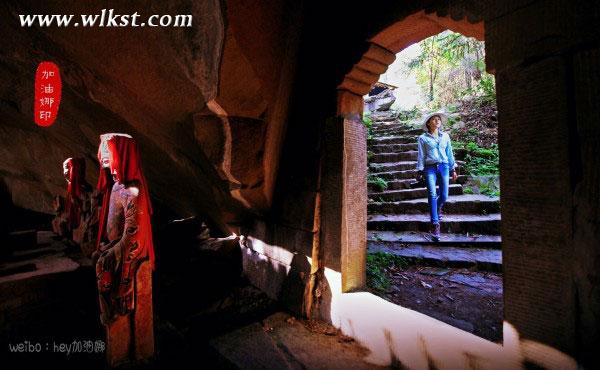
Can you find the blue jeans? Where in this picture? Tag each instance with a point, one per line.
(432, 172)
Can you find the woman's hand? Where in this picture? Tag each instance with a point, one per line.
(454, 175)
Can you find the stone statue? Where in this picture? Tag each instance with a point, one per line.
(60, 222)
(125, 253)
(77, 213)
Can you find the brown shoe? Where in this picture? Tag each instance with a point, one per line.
(436, 232)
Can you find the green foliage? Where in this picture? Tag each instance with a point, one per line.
(368, 122)
(458, 144)
(484, 90)
(451, 66)
(482, 161)
(377, 182)
(377, 264)
(407, 115)
(488, 190)
(467, 190)
(487, 85)
(451, 121)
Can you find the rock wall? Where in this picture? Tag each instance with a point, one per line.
(153, 83)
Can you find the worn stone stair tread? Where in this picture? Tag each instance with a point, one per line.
(394, 173)
(392, 148)
(413, 138)
(395, 153)
(390, 157)
(48, 264)
(398, 130)
(392, 140)
(399, 184)
(392, 192)
(451, 223)
(463, 203)
(456, 199)
(420, 237)
(391, 164)
(425, 218)
(45, 237)
(486, 258)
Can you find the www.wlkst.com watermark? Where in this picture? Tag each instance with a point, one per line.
(106, 18)
(76, 346)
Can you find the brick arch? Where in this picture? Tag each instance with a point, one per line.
(384, 46)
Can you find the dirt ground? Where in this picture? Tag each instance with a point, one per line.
(469, 300)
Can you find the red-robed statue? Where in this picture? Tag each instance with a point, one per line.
(125, 252)
(77, 213)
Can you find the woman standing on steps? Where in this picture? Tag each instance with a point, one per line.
(435, 159)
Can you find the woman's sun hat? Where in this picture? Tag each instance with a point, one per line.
(443, 116)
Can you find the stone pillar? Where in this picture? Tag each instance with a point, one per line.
(585, 146)
(344, 200)
(546, 60)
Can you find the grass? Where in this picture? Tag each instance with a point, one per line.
(377, 182)
(480, 161)
(377, 264)
(368, 122)
(489, 191)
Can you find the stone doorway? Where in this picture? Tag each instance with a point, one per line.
(457, 279)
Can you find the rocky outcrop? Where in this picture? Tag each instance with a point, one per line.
(152, 83)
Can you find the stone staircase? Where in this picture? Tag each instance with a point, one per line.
(398, 218)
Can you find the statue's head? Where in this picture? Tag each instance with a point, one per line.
(67, 169)
(104, 152)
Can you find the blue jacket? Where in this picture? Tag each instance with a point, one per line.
(433, 150)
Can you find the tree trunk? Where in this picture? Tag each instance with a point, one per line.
(431, 77)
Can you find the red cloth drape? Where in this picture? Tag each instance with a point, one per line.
(76, 168)
(126, 166)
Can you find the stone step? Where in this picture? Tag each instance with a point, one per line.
(451, 223)
(393, 157)
(394, 185)
(408, 155)
(390, 125)
(482, 258)
(397, 195)
(447, 239)
(392, 166)
(461, 179)
(22, 240)
(378, 140)
(396, 175)
(392, 148)
(383, 118)
(395, 127)
(457, 204)
(397, 131)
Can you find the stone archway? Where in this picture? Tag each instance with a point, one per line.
(548, 243)
(383, 48)
(357, 82)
